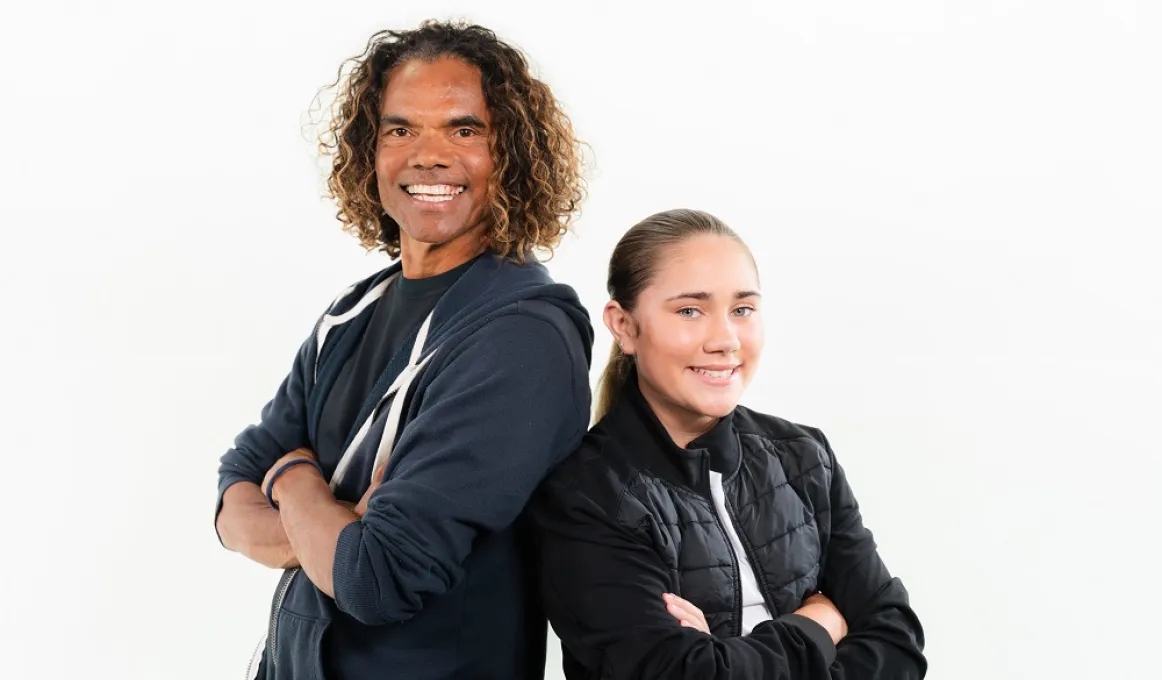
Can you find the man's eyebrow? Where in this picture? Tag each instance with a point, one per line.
(457, 122)
(466, 121)
(391, 119)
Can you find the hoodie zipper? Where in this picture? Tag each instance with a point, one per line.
(255, 655)
(288, 577)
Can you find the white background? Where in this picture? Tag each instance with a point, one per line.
(954, 206)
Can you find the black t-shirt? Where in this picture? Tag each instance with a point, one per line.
(404, 306)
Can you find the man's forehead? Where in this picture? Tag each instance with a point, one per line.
(433, 99)
(434, 77)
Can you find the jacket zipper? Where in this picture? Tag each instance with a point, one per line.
(287, 577)
(736, 624)
(760, 579)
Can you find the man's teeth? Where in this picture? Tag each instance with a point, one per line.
(434, 193)
(715, 374)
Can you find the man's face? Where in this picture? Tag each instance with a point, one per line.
(432, 158)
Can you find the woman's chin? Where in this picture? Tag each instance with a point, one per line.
(718, 407)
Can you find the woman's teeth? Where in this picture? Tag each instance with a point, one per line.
(715, 374)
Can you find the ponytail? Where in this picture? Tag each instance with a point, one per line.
(613, 379)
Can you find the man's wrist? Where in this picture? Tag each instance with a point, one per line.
(295, 476)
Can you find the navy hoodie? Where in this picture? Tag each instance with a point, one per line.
(435, 580)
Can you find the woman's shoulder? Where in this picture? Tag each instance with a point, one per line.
(596, 471)
(749, 421)
(781, 436)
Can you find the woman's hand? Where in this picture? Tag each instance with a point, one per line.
(820, 609)
(687, 614)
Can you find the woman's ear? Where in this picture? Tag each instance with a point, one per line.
(620, 325)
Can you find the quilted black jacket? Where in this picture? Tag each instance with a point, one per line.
(629, 517)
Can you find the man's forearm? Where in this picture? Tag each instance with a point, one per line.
(313, 520)
(248, 525)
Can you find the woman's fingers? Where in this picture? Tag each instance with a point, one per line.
(684, 607)
(685, 612)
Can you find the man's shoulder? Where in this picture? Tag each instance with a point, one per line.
(513, 304)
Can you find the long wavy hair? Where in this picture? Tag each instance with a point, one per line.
(537, 187)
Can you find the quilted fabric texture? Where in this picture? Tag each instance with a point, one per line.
(778, 498)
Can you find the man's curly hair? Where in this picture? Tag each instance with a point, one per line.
(537, 187)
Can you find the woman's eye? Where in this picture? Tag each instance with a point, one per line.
(744, 311)
(688, 312)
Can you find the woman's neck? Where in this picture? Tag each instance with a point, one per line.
(683, 425)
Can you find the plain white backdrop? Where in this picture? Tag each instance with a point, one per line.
(955, 207)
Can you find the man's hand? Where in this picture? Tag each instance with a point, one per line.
(376, 479)
(820, 609)
(297, 469)
(311, 516)
(248, 525)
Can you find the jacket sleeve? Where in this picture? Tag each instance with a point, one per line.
(500, 412)
(885, 639)
(281, 428)
(602, 586)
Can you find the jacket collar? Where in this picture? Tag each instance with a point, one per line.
(633, 423)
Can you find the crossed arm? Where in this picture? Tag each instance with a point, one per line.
(625, 627)
(303, 532)
(473, 451)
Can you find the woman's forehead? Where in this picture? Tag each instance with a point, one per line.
(705, 264)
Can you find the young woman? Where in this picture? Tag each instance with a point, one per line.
(690, 537)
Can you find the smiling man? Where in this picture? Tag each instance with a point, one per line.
(388, 476)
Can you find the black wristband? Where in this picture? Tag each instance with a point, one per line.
(278, 473)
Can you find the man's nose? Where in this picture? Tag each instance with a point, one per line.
(430, 150)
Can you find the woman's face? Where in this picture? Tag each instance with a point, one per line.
(695, 332)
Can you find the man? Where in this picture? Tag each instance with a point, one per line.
(388, 474)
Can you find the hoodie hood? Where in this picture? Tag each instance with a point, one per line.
(490, 286)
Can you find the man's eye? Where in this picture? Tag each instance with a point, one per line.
(397, 132)
(465, 132)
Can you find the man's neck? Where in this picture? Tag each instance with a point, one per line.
(424, 260)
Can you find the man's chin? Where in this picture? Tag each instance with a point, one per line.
(434, 234)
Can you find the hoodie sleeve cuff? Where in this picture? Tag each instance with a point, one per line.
(224, 482)
(817, 633)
